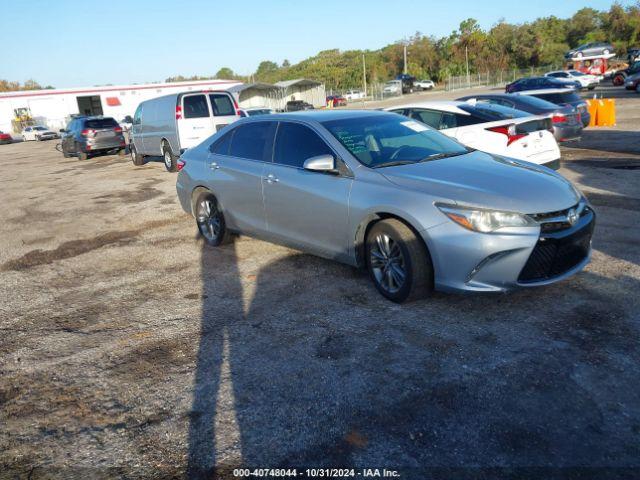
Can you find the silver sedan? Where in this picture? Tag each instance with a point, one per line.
(389, 194)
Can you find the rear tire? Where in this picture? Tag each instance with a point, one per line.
(210, 221)
(169, 158)
(398, 261)
(80, 154)
(618, 80)
(136, 158)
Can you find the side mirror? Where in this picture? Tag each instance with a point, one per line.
(321, 163)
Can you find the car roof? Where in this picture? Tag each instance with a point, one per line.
(451, 106)
(321, 115)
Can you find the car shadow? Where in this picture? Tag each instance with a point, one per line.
(612, 140)
(301, 363)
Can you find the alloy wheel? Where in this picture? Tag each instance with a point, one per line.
(168, 161)
(388, 263)
(209, 219)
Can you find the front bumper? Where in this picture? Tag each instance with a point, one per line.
(474, 262)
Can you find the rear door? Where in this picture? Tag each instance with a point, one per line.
(304, 208)
(235, 169)
(223, 110)
(195, 124)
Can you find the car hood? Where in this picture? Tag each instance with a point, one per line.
(488, 181)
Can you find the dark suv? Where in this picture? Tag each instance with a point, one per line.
(86, 136)
(539, 83)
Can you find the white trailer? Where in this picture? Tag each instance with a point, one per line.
(53, 108)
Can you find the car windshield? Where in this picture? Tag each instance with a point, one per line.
(39, 128)
(261, 111)
(382, 141)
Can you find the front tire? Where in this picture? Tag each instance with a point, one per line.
(398, 261)
(210, 221)
(169, 159)
(136, 158)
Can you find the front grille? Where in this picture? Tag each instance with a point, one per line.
(558, 221)
(558, 252)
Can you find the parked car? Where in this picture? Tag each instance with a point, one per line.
(5, 138)
(373, 189)
(252, 111)
(633, 55)
(297, 105)
(633, 82)
(537, 83)
(590, 50)
(490, 128)
(392, 87)
(354, 95)
(566, 121)
(92, 135)
(424, 84)
(585, 80)
(38, 133)
(563, 97)
(620, 76)
(164, 126)
(408, 82)
(338, 100)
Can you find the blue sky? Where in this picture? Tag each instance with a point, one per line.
(69, 43)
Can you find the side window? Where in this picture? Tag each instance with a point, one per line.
(252, 141)
(465, 120)
(221, 104)
(428, 117)
(195, 106)
(449, 120)
(221, 146)
(295, 143)
(137, 117)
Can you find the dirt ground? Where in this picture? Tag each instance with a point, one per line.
(130, 350)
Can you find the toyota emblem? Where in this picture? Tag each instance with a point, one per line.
(572, 216)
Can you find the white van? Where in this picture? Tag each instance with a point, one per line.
(167, 125)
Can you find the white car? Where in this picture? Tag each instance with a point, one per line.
(37, 133)
(490, 128)
(586, 80)
(393, 87)
(424, 84)
(354, 95)
(253, 111)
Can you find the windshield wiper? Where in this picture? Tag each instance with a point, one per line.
(438, 156)
(394, 163)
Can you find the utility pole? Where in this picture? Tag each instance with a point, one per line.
(364, 75)
(405, 59)
(466, 57)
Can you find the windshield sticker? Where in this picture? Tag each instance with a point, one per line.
(415, 126)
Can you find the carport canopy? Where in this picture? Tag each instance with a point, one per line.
(258, 95)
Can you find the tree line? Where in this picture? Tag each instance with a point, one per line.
(504, 46)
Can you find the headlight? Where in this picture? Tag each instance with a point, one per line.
(485, 221)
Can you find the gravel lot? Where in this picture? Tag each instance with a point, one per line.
(129, 349)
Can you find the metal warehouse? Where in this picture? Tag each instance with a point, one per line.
(53, 108)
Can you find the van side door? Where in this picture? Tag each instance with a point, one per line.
(195, 124)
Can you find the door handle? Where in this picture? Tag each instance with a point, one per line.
(214, 166)
(271, 178)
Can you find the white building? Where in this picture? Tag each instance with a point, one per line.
(309, 91)
(53, 108)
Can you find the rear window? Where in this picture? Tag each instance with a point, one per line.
(536, 102)
(195, 106)
(251, 141)
(491, 112)
(221, 104)
(101, 123)
(559, 98)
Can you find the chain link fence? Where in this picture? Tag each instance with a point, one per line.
(495, 79)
